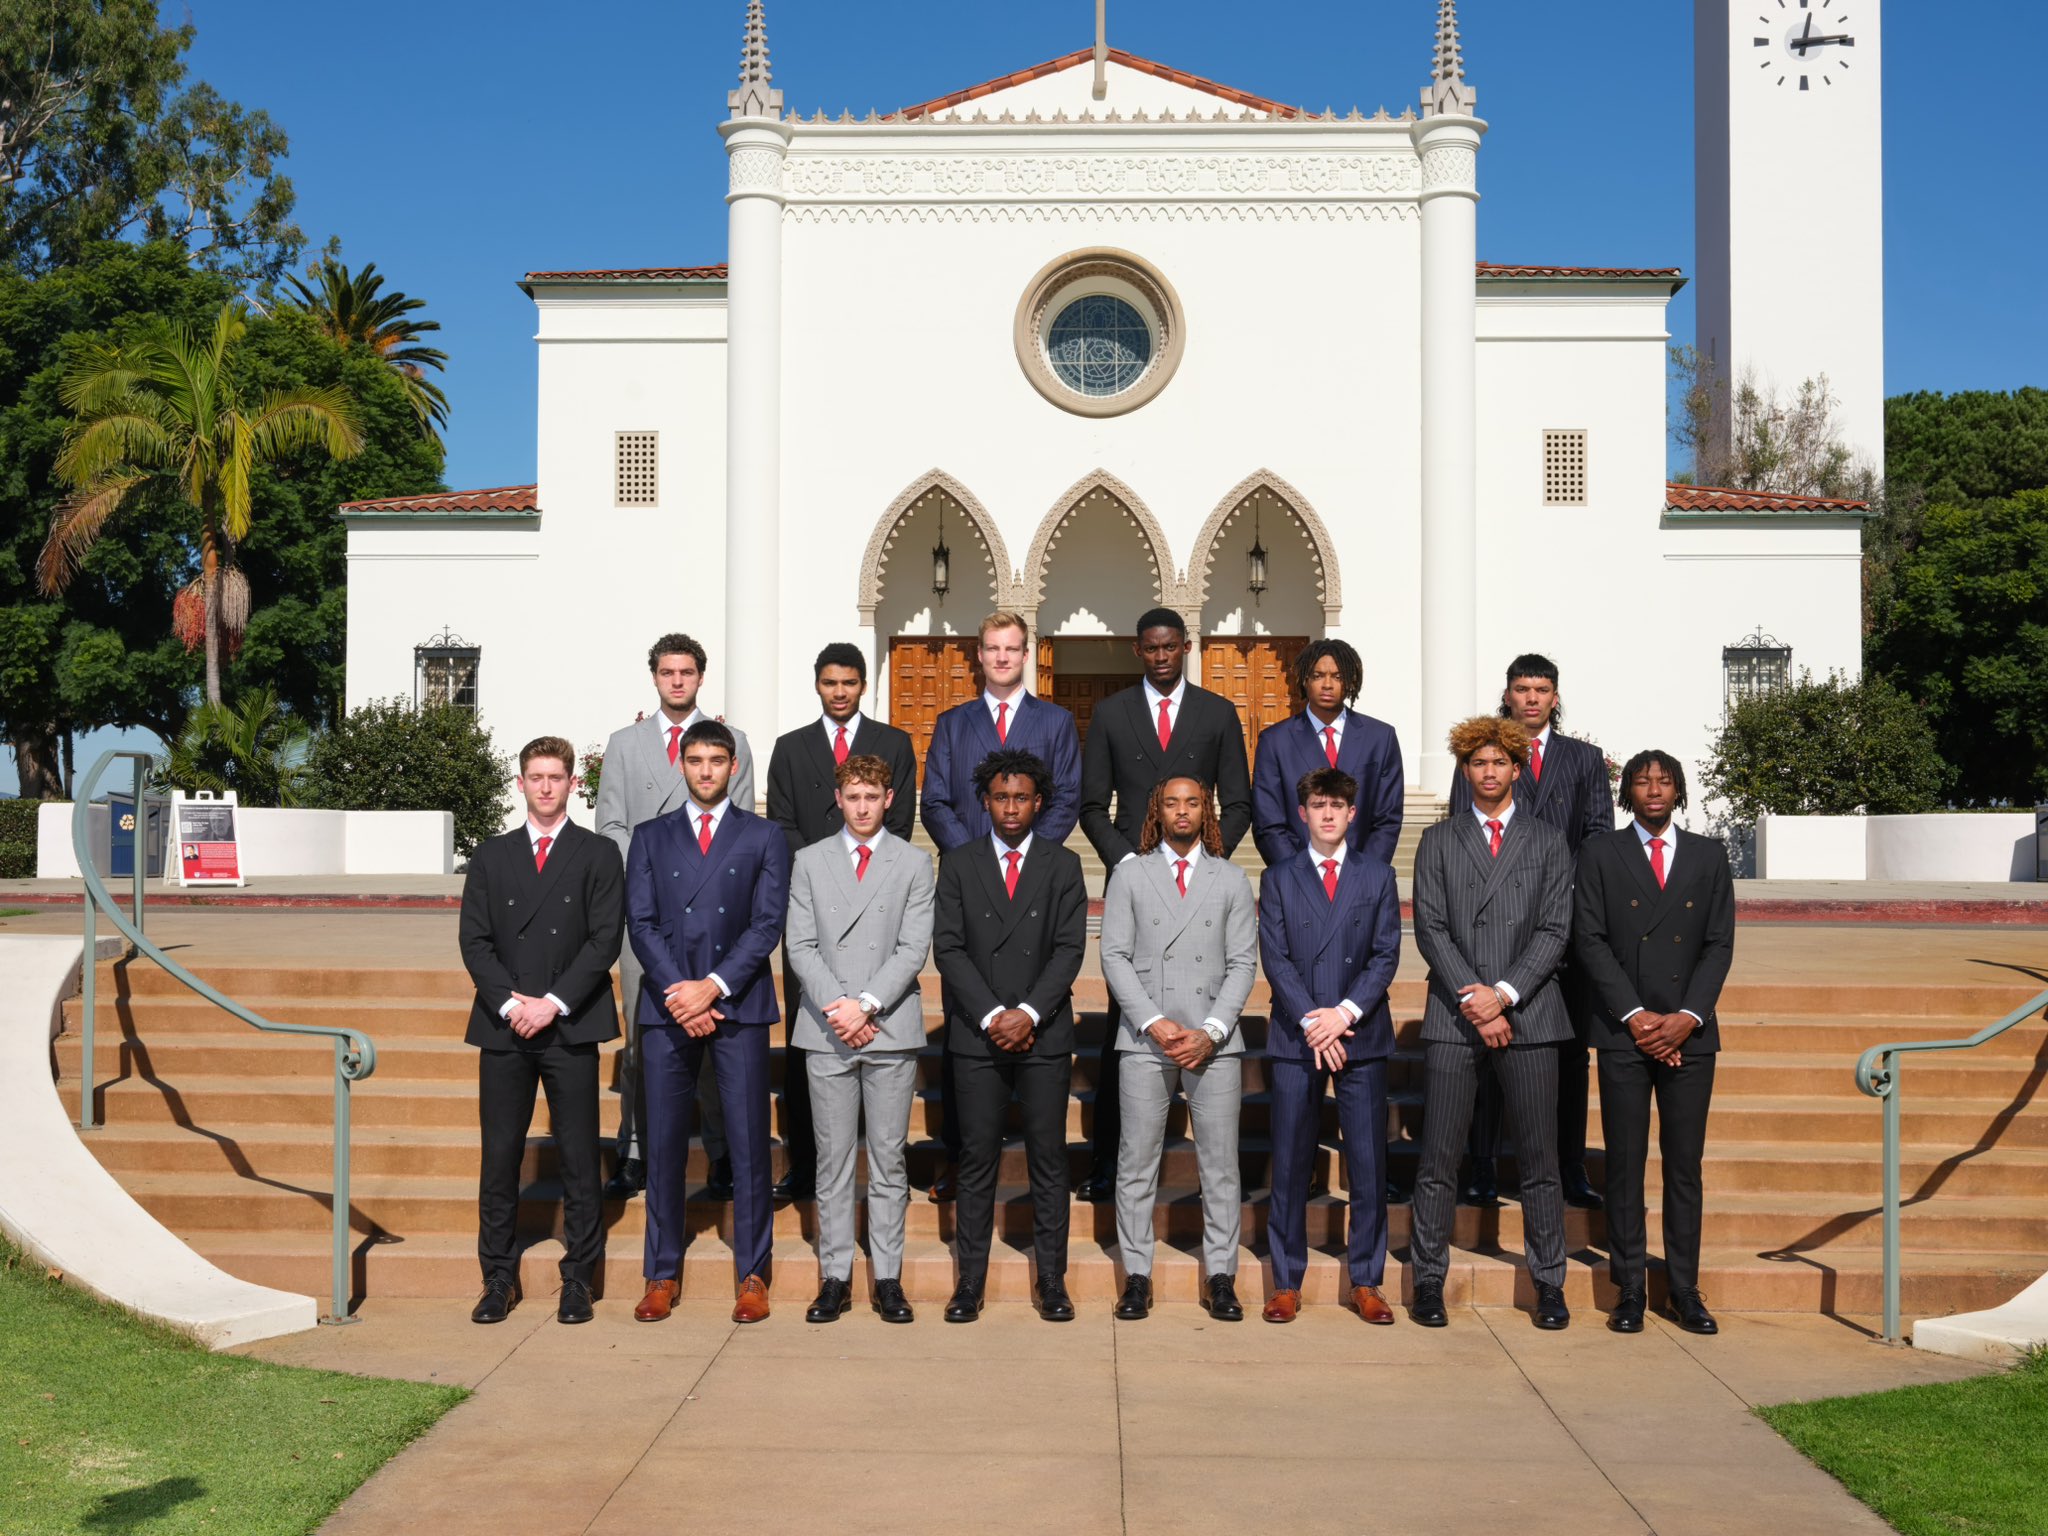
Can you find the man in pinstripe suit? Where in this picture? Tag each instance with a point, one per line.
(1493, 908)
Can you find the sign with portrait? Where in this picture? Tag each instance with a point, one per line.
(204, 846)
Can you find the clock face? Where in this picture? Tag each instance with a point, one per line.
(1807, 44)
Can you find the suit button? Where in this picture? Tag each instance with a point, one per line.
(1155, 922)
(1646, 938)
(1676, 939)
(721, 909)
(718, 949)
(688, 910)
(554, 930)
(509, 902)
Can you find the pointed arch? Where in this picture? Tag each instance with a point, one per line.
(874, 563)
(1314, 531)
(1031, 585)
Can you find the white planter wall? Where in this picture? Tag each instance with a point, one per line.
(1988, 846)
(297, 842)
(1811, 847)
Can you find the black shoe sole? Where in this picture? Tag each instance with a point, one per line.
(1616, 1325)
(1232, 1315)
(1705, 1333)
(1131, 1317)
(1553, 1324)
(955, 1317)
(580, 1317)
(904, 1317)
(1430, 1319)
(487, 1321)
(813, 1315)
(1056, 1317)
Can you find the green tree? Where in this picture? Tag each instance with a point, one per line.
(252, 747)
(165, 408)
(101, 137)
(390, 756)
(1976, 446)
(1826, 749)
(351, 309)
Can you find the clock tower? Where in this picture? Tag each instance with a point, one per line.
(1789, 214)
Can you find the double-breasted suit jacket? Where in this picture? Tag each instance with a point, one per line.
(1318, 952)
(801, 783)
(1367, 749)
(965, 734)
(997, 951)
(1190, 958)
(847, 937)
(1122, 758)
(1665, 949)
(556, 930)
(639, 783)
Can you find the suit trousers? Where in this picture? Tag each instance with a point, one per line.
(799, 1144)
(882, 1084)
(631, 1085)
(675, 1063)
(1574, 1072)
(1296, 1092)
(1629, 1080)
(1107, 1141)
(1525, 1078)
(986, 1084)
(1215, 1094)
(506, 1081)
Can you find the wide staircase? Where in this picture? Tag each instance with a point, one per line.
(223, 1135)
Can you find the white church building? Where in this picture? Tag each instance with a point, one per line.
(1101, 334)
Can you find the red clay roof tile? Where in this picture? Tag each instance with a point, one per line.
(1087, 56)
(502, 498)
(1715, 498)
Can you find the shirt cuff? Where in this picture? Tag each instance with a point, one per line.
(1218, 1023)
(989, 1018)
(1027, 1008)
(1146, 1027)
(506, 1011)
(1630, 1014)
(719, 981)
(872, 1003)
(1352, 1009)
(561, 1008)
(1693, 1016)
(1506, 989)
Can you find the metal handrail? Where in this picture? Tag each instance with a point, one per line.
(355, 1056)
(1877, 1074)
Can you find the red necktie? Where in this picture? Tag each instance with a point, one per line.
(1657, 860)
(675, 744)
(1493, 833)
(839, 746)
(1330, 878)
(1180, 875)
(1535, 761)
(540, 855)
(1330, 744)
(860, 870)
(1010, 876)
(1165, 724)
(704, 832)
(1003, 720)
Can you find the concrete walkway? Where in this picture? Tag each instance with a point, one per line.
(1175, 1424)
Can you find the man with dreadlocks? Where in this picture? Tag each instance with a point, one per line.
(1180, 953)
(1328, 733)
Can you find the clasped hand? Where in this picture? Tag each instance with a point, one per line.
(1480, 1005)
(689, 1004)
(1012, 1030)
(850, 1022)
(1326, 1030)
(529, 1015)
(1186, 1048)
(1659, 1035)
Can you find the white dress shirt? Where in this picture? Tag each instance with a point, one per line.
(1015, 701)
(1002, 848)
(1670, 837)
(534, 833)
(1320, 725)
(1194, 858)
(851, 725)
(853, 845)
(1504, 815)
(670, 723)
(1335, 856)
(1153, 699)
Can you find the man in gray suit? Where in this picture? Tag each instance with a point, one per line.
(1493, 914)
(860, 927)
(1180, 951)
(642, 779)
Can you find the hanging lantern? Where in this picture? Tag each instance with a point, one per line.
(1255, 563)
(942, 562)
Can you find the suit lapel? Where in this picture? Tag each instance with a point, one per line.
(884, 851)
(1350, 884)
(1472, 839)
(1676, 879)
(1512, 837)
(820, 749)
(991, 871)
(698, 865)
(1179, 909)
(1147, 725)
(1309, 877)
(981, 726)
(1637, 859)
(667, 777)
(565, 850)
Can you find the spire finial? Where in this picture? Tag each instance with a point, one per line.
(756, 96)
(1448, 94)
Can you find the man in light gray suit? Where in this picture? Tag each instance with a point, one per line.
(1180, 950)
(860, 927)
(1493, 915)
(642, 779)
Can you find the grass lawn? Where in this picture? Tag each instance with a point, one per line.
(108, 1423)
(17, 911)
(1968, 1457)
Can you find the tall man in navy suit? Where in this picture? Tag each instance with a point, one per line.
(1330, 939)
(707, 891)
(1566, 786)
(1007, 717)
(1328, 733)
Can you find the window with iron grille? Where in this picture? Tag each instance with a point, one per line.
(445, 671)
(1752, 668)
(634, 471)
(1564, 467)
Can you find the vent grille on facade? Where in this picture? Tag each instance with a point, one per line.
(1564, 468)
(636, 477)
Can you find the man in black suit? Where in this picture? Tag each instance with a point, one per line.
(1163, 728)
(1565, 785)
(1654, 929)
(543, 914)
(1011, 929)
(803, 801)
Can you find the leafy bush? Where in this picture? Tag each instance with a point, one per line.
(391, 756)
(252, 747)
(1826, 749)
(18, 839)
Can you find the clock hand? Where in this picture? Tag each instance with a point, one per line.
(1803, 44)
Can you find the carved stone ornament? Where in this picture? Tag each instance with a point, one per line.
(1079, 274)
(756, 170)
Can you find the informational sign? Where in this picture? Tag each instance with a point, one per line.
(204, 850)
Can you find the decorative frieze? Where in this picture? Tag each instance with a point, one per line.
(931, 177)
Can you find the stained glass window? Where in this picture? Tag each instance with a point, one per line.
(1099, 345)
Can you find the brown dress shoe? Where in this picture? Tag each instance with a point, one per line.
(660, 1300)
(1372, 1306)
(942, 1186)
(1283, 1308)
(753, 1303)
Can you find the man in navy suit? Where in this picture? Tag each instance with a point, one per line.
(1328, 733)
(1566, 786)
(1330, 939)
(707, 890)
(1006, 718)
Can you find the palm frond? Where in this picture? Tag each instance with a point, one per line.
(290, 420)
(96, 375)
(237, 465)
(75, 525)
(132, 439)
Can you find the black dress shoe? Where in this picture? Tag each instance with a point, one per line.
(834, 1296)
(1096, 1188)
(1396, 1195)
(891, 1303)
(965, 1306)
(1222, 1300)
(1136, 1300)
(1482, 1185)
(1578, 1190)
(1627, 1316)
(795, 1186)
(1690, 1312)
(499, 1298)
(1054, 1304)
(574, 1306)
(718, 1183)
(1428, 1306)
(1551, 1312)
(630, 1179)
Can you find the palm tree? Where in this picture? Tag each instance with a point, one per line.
(350, 309)
(253, 748)
(165, 411)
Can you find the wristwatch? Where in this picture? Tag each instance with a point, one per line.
(1216, 1032)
